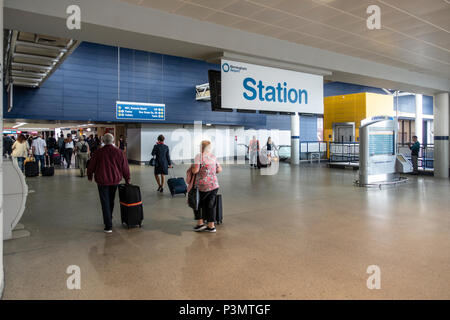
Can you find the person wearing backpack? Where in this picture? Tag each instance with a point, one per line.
(82, 150)
(51, 146)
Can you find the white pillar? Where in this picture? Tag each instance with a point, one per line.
(441, 133)
(419, 117)
(295, 139)
(1, 157)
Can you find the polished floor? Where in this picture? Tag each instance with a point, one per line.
(305, 233)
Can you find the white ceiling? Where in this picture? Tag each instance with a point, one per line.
(415, 34)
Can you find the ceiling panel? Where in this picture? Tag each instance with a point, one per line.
(320, 30)
(293, 23)
(269, 16)
(296, 7)
(417, 7)
(412, 32)
(440, 18)
(243, 8)
(346, 5)
(164, 5)
(320, 13)
(193, 11)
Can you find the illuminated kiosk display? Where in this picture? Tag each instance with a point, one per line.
(377, 151)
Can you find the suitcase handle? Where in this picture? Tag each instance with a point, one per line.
(172, 172)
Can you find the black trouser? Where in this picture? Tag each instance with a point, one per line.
(68, 155)
(207, 206)
(107, 197)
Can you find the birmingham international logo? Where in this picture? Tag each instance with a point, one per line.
(226, 67)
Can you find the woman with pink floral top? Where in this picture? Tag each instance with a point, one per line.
(205, 168)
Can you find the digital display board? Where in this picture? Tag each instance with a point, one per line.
(140, 111)
(381, 143)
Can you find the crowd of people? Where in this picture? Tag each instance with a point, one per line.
(107, 164)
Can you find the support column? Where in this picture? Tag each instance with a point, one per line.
(295, 138)
(441, 133)
(419, 117)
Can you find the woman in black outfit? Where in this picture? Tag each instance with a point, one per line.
(162, 161)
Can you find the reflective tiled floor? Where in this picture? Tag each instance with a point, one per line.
(305, 233)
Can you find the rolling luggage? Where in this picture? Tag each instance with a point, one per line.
(31, 168)
(131, 209)
(218, 210)
(48, 170)
(57, 159)
(177, 185)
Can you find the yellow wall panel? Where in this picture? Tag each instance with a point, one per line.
(379, 105)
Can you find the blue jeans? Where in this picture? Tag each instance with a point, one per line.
(50, 154)
(41, 159)
(20, 161)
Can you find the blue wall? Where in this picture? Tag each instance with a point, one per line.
(84, 88)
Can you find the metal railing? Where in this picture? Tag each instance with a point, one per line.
(344, 152)
(313, 150)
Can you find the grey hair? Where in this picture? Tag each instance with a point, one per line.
(108, 139)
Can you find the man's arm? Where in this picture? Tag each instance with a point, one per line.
(125, 169)
(91, 167)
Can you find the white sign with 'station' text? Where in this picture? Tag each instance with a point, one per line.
(254, 87)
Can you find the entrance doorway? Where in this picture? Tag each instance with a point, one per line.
(344, 132)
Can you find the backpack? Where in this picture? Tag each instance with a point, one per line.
(51, 143)
(84, 148)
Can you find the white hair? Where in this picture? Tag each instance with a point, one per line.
(108, 139)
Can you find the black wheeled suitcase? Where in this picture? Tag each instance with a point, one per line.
(57, 159)
(219, 209)
(177, 185)
(48, 170)
(31, 169)
(131, 209)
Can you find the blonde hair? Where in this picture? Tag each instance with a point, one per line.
(205, 145)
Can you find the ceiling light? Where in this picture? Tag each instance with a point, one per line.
(19, 124)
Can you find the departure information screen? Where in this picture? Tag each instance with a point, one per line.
(140, 111)
(381, 143)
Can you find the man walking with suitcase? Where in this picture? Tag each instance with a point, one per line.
(39, 148)
(109, 166)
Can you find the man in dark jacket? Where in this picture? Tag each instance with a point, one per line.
(415, 148)
(7, 145)
(109, 166)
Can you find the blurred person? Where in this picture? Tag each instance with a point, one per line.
(82, 152)
(20, 151)
(39, 148)
(162, 161)
(68, 149)
(205, 170)
(7, 145)
(415, 148)
(253, 149)
(51, 146)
